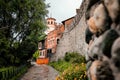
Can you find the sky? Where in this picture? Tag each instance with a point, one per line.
(63, 9)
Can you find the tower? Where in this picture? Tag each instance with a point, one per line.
(51, 24)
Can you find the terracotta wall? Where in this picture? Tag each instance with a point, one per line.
(51, 40)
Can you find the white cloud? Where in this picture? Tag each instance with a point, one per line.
(63, 9)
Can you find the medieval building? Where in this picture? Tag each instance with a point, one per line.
(54, 32)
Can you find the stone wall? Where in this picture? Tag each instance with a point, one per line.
(73, 39)
(103, 53)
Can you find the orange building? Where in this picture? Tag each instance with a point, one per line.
(48, 46)
(53, 38)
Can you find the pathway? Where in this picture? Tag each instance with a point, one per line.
(40, 72)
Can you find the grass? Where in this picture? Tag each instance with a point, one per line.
(72, 67)
(60, 65)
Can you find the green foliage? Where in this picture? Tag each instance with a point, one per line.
(74, 58)
(36, 55)
(12, 73)
(74, 72)
(73, 67)
(22, 23)
(60, 65)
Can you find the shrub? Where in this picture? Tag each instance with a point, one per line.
(74, 58)
(73, 67)
(36, 55)
(60, 65)
(74, 72)
(12, 73)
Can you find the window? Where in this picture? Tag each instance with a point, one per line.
(39, 45)
(48, 22)
(40, 53)
(58, 41)
(51, 22)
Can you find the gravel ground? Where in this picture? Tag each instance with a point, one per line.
(40, 72)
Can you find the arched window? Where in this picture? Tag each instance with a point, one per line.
(58, 41)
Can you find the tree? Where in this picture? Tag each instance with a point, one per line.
(36, 55)
(22, 22)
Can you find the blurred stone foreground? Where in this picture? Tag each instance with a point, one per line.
(103, 39)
